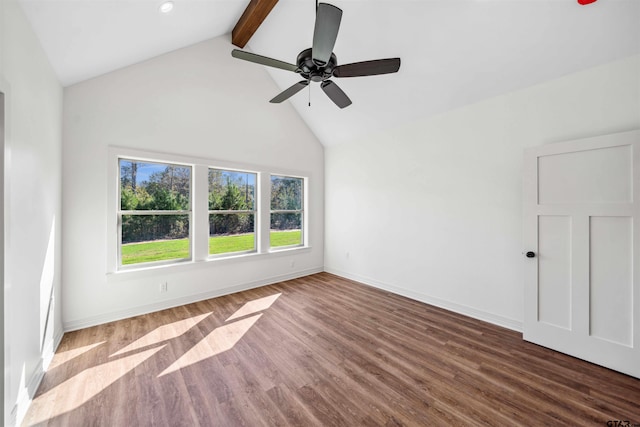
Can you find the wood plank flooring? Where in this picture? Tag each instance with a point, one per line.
(320, 351)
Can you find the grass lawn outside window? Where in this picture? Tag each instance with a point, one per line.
(135, 253)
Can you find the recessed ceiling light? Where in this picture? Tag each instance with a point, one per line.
(166, 7)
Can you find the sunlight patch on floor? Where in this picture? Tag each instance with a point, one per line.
(254, 306)
(62, 357)
(85, 386)
(162, 333)
(219, 340)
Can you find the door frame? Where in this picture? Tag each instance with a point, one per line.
(3, 183)
(6, 407)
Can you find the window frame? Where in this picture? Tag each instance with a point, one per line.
(301, 211)
(199, 219)
(254, 212)
(120, 213)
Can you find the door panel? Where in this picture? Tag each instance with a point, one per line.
(554, 269)
(582, 219)
(611, 280)
(591, 176)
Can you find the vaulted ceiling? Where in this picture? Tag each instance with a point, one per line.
(454, 52)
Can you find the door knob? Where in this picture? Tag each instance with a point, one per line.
(530, 254)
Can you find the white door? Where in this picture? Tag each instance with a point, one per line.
(582, 239)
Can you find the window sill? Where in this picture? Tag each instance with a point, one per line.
(186, 266)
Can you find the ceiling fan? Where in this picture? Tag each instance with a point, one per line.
(319, 63)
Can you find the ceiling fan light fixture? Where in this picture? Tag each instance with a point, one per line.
(166, 7)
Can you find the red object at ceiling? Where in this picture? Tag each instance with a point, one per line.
(583, 2)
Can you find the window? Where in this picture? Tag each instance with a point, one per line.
(154, 214)
(232, 211)
(168, 209)
(287, 201)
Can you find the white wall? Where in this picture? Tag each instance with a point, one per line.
(197, 102)
(31, 209)
(432, 209)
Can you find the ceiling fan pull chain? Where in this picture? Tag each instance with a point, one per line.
(309, 95)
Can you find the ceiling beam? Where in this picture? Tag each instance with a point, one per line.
(250, 21)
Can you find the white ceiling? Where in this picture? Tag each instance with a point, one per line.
(454, 52)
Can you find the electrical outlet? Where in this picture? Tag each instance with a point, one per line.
(164, 286)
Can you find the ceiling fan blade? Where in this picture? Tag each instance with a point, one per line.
(288, 93)
(368, 68)
(258, 59)
(328, 19)
(335, 94)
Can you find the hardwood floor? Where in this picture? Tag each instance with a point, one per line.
(320, 351)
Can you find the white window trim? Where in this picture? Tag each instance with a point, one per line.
(199, 211)
(256, 198)
(120, 213)
(302, 211)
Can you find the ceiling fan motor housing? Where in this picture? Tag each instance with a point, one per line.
(313, 71)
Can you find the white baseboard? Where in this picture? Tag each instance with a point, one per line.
(505, 322)
(24, 399)
(87, 322)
